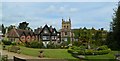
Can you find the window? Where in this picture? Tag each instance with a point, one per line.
(45, 37)
(58, 34)
(53, 37)
(64, 26)
(67, 26)
(65, 33)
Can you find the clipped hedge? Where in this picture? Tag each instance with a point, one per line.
(101, 52)
(5, 42)
(79, 51)
(34, 44)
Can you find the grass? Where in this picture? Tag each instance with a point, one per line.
(106, 57)
(63, 54)
(49, 53)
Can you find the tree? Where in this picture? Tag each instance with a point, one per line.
(3, 29)
(9, 28)
(23, 25)
(113, 38)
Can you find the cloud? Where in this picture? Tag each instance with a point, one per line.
(38, 14)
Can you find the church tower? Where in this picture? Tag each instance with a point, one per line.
(66, 34)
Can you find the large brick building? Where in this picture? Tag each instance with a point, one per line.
(45, 34)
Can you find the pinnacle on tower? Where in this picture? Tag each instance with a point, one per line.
(69, 19)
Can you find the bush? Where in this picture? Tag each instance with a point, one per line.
(13, 43)
(51, 45)
(70, 51)
(101, 52)
(5, 42)
(82, 51)
(35, 44)
(89, 52)
(104, 47)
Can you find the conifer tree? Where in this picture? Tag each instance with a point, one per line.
(113, 39)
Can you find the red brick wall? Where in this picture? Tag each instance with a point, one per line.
(28, 38)
(23, 38)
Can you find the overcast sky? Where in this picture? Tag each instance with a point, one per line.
(82, 14)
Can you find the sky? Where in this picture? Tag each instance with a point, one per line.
(82, 14)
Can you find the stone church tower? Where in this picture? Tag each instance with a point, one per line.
(66, 34)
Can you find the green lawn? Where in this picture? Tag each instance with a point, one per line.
(49, 53)
(106, 57)
(63, 54)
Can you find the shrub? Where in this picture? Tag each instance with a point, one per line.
(104, 47)
(35, 44)
(51, 45)
(13, 43)
(82, 51)
(89, 52)
(5, 42)
(70, 51)
(101, 52)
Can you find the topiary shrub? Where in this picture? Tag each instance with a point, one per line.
(5, 42)
(104, 47)
(89, 52)
(83, 51)
(101, 52)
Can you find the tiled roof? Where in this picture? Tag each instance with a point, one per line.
(19, 32)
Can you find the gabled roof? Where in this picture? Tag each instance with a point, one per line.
(46, 26)
(19, 32)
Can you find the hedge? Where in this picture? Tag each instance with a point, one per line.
(103, 50)
(5, 42)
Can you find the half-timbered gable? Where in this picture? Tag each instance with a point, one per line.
(45, 34)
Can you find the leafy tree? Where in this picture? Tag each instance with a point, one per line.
(23, 25)
(3, 29)
(10, 27)
(113, 39)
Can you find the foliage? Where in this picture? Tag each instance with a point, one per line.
(91, 36)
(77, 43)
(53, 46)
(13, 43)
(24, 26)
(3, 29)
(5, 42)
(104, 47)
(83, 51)
(34, 44)
(113, 39)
